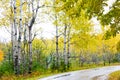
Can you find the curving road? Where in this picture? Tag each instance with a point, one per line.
(89, 74)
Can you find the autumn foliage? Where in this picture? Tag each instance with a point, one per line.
(1, 55)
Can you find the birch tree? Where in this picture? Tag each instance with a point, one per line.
(34, 11)
(68, 45)
(57, 35)
(65, 41)
(15, 51)
(12, 31)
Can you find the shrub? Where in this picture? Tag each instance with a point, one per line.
(6, 68)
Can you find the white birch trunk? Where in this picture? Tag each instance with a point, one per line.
(30, 25)
(12, 31)
(64, 50)
(20, 35)
(57, 36)
(16, 67)
(24, 54)
(30, 50)
(68, 46)
(57, 48)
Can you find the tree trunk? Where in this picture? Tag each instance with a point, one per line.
(65, 52)
(30, 51)
(57, 53)
(20, 34)
(57, 36)
(68, 50)
(15, 51)
(82, 63)
(104, 63)
(12, 32)
(24, 54)
(30, 25)
(109, 61)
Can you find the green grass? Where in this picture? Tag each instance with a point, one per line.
(33, 76)
(114, 76)
(37, 75)
(86, 66)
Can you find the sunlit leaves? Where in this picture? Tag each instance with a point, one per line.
(112, 18)
(94, 7)
(44, 46)
(82, 22)
(7, 12)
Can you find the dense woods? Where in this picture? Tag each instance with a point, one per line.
(75, 44)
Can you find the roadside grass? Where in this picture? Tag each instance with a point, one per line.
(39, 74)
(114, 76)
(89, 66)
(33, 76)
(86, 66)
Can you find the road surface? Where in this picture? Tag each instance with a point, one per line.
(89, 74)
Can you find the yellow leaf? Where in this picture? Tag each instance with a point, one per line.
(1, 55)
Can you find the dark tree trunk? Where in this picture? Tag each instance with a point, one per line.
(30, 51)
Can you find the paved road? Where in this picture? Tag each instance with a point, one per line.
(89, 74)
